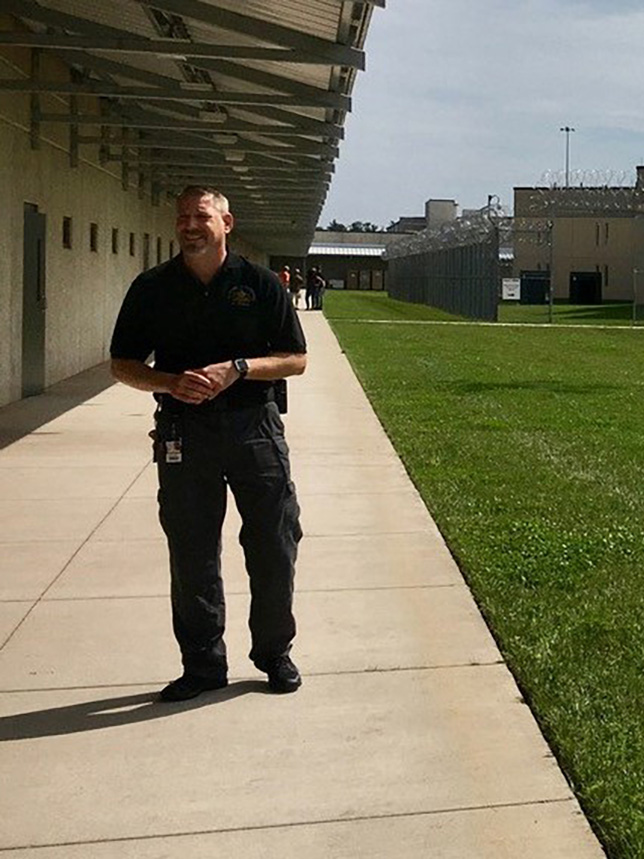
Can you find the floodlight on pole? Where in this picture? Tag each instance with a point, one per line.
(568, 131)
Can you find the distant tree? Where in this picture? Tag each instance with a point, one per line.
(364, 227)
(354, 227)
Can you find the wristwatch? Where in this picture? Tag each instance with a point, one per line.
(241, 365)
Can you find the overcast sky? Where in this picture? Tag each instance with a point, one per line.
(465, 98)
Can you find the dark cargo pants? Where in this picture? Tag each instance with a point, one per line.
(246, 450)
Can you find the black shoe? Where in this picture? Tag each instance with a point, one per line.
(190, 685)
(283, 675)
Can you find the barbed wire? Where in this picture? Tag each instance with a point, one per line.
(472, 229)
(589, 192)
(588, 178)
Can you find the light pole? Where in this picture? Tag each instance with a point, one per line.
(636, 272)
(494, 200)
(567, 130)
(551, 263)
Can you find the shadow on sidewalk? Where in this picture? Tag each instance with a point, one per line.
(22, 417)
(113, 712)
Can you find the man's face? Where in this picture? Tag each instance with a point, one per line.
(201, 226)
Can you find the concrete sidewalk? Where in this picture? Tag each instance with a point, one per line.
(408, 738)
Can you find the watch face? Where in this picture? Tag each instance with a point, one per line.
(241, 365)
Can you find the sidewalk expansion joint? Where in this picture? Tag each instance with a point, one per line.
(18, 601)
(309, 675)
(330, 821)
(448, 666)
(376, 533)
(245, 593)
(78, 549)
(369, 588)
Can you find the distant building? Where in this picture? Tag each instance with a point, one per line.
(437, 212)
(350, 260)
(408, 224)
(591, 239)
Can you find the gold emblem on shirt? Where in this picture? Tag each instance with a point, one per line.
(241, 296)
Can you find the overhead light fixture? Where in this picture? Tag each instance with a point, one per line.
(236, 157)
(225, 139)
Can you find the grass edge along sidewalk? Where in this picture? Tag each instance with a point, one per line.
(527, 446)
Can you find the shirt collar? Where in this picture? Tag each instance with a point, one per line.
(231, 261)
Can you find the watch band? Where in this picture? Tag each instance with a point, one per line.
(241, 365)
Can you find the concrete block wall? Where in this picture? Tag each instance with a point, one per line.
(84, 287)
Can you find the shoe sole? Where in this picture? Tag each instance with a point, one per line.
(170, 698)
(280, 689)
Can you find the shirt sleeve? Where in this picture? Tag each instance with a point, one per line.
(284, 330)
(132, 337)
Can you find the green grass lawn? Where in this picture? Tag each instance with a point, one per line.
(527, 445)
(615, 313)
(378, 305)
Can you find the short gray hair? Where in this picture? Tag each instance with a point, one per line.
(205, 191)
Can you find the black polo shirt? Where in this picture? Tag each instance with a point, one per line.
(244, 312)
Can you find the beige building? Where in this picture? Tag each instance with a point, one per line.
(591, 238)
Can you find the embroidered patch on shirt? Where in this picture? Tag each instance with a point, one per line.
(241, 296)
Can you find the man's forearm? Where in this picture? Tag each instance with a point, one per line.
(277, 366)
(203, 383)
(138, 374)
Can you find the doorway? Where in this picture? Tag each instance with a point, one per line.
(585, 287)
(34, 302)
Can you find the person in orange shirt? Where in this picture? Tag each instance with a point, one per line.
(285, 276)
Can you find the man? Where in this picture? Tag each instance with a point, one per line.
(223, 331)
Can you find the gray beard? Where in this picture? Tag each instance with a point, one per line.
(194, 248)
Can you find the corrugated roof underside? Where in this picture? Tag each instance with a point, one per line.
(127, 16)
(294, 24)
(147, 63)
(315, 17)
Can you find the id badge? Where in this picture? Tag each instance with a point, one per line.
(173, 450)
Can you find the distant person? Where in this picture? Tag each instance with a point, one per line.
(295, 288)
(308, 296)
(285, 277)
(320, 289)
(314, 283)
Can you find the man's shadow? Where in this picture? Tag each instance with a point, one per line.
(112, 712)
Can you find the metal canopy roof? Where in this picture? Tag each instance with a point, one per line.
(249, 96)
